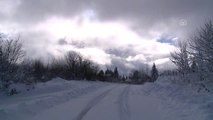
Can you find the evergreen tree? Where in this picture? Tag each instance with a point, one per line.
(135, 76)
(154, 73)
(109, 73)
(101, 75)
(116, 74)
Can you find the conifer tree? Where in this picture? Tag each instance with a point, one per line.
(154, 73)
(116, 75)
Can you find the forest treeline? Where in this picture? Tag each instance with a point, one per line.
(15, 68)
(193, 58)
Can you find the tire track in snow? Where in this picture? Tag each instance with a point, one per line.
(91, 104)
(124, 106)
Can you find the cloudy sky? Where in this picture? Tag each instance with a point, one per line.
(125, 33)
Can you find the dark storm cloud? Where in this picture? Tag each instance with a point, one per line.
(144, 14)
(178, 18)
(147, 14)
(154, 9)
(144, 11)
(151, 12)
(36, 10)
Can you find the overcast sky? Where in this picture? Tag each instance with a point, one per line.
(125, 33)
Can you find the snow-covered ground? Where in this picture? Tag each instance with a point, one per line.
(82, 100)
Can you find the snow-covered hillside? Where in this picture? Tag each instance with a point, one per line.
(82, 100)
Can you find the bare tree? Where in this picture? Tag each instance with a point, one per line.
(11, 53)
(180, 58)
(58, 68)
(202, 47)
(74, 62)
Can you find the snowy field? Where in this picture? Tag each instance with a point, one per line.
(82, 100)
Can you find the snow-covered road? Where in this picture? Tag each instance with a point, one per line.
(92, 101)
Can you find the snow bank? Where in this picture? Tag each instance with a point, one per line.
(45, 96)
(182, 96)
(164, 98)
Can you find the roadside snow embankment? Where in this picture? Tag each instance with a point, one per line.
(184, 98)
(44, 96)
